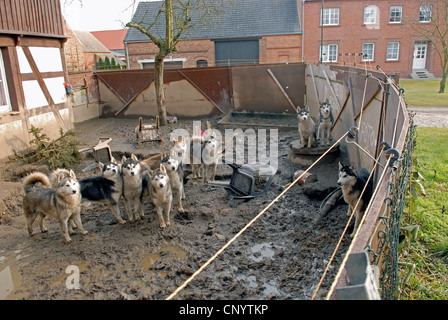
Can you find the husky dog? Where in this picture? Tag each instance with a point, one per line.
(161, 194)
(135, 182)
(353, 182)
(307, 128)
(106, 188)
(179, 149)
(62, 202)
(196, 146)
(174, 169)
(57, 176)
(325, 122)
(210, 156)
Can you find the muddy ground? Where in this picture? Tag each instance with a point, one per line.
(281, 256)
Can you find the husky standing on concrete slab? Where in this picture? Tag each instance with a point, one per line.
(353, 182)
(135, 182)
(106, 188)
(307, 128)
(325, 123)
(62, 202)
(175, 172)
(161, 195)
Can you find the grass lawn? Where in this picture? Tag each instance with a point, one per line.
(424, 93)
(430, 252)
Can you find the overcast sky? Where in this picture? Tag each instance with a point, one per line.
(97, 15)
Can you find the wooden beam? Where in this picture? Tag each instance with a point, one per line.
(282, 90)
(43, 86)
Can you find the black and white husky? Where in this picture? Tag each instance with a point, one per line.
(325, 123)
(106, 188)
(353, 182)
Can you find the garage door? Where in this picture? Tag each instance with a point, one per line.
(236, 52)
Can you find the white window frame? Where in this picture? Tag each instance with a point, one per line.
(370, 14)
(329, 17)
(393, 17)
(373, 51)
(393, 53)
(424, 14)
(7, 107)
(325, 49)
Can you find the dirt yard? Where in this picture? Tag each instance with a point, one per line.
(281, 256)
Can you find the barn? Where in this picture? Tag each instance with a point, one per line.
(33, 72)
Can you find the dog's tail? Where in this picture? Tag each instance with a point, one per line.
(36, 177)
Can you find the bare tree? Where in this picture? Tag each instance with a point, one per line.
(433, 26)
(178, 19)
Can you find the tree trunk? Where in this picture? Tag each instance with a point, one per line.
(443, 82)
(158, 84)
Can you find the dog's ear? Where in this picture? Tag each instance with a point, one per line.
(352, 166)
(72, 174)
(133, 157)
(123, 159)
(297, 109)
(112, 160)
(100, 165)
(340, 165)
(162, 168)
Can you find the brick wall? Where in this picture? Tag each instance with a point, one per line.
(351, 33)
(273, 49)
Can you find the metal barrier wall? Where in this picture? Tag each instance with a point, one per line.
(370, 106)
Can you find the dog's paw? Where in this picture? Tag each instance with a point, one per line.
(84, 232)
(121, 221)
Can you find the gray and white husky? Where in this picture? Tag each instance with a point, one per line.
(353, 182)
(175, 172)
(135, 183)
(62, 202)
(161, 194)
(307, 128)
(106, 188)
(325, 123)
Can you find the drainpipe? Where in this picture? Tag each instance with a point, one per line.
(303, 29)
(321, 32)
(128, 67)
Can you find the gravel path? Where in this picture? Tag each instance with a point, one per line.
(430, 116)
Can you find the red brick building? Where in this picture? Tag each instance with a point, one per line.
(354, 32)
(380, 29)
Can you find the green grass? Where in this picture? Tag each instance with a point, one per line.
(424, 93)
(430, 252)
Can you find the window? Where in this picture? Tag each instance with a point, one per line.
(201, 63)
(425, 13)
(368, 50)
(329, 53)
(330, 17)
(4, 96)
(370, 15)
(393, 48)
(396, 14)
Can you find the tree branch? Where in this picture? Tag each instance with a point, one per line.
(157, 41)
